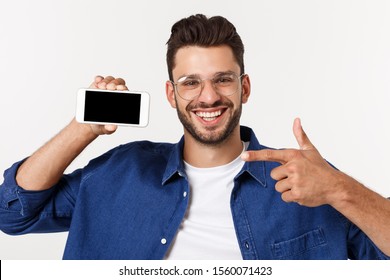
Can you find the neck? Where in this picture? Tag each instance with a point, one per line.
(202, 155)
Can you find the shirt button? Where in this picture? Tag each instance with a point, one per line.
(184, 194)
(163, 241)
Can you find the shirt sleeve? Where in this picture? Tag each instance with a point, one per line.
(361, 247)
(23, 211)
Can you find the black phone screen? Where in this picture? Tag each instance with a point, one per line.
(112, 107)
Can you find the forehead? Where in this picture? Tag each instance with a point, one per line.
(204, 61)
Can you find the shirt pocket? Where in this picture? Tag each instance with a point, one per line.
(310, 245)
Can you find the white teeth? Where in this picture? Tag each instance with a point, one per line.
(208, 115)
(209, 119)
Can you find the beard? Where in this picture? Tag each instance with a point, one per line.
(211, 137)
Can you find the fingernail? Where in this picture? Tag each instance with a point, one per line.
(244, 156)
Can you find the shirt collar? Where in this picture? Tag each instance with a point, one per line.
(256, 169)
(175, 165)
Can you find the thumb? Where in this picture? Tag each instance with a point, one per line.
(110, 128)
(302, 139)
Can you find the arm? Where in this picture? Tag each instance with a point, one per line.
(46, 166)
(366, 209)
(307, 179)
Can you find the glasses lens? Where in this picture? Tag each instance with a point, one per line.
(189, 87)
(226, 84)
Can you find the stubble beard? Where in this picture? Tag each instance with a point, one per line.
(211, 137)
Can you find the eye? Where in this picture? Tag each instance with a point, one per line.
(224, 80)
(190, 83)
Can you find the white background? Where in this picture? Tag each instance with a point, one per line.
(327, 62)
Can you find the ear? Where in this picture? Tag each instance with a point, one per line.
(170, 92)
(246, 88)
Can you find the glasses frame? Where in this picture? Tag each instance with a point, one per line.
(213, 85)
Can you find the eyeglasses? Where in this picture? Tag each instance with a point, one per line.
(190, 87)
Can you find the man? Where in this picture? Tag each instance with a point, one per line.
(196, 199)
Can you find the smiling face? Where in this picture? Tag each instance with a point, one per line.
(210, 118)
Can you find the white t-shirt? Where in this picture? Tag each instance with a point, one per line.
(207, 231)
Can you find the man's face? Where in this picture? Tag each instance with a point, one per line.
(210, 118)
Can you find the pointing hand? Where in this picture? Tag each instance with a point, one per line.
(304, 176)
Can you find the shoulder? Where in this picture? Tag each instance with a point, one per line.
(148, 147)
(133, 153)
(140, 148)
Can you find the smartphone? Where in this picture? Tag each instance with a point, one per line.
(128, 108)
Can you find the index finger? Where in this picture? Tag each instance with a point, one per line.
(281, 156)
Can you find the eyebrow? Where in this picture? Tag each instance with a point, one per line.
(198, 76)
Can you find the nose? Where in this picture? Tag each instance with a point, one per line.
(208, 93)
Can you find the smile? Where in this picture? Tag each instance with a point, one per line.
(209, 116)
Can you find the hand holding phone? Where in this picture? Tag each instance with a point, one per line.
(128, 108)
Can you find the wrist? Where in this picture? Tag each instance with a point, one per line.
(344, 189)
(83, 131)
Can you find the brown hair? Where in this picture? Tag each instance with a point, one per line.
(198, 30)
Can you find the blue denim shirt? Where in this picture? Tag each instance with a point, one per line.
(129, 204)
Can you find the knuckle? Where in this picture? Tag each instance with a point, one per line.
(297, 182)
(285, 197)
(291, 168)
(268, 154)
(273, 174)
(296, 154)
(251, 155)
(111, 86)
(120, 81)
(296, 193)
(98, 78)
(278, 187)
(102, 85)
